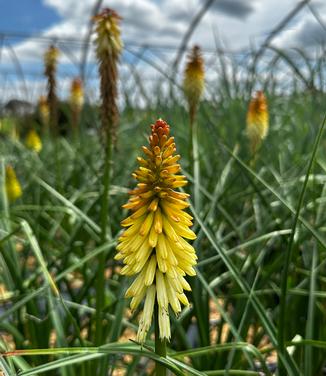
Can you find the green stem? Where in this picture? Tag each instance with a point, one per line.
(194, 167)
(160, 346)
(191, 151)
(100, 282)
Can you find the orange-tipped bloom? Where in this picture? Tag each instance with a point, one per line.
(154, 245)
(194, 80)
(33, 141)
(76, 94)
(44, 111)
(13, 187)
(257, 120)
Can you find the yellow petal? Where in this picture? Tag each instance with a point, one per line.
(172, 296)
(147, 223)
(164, 323)
(169, 229)
(158, 221)
(162, 264)
(136, 300)
(151, 270)
(162, 297)
(146, 318)
(161, 248)
(153, 236)
(183, 299)
(153, 205)
(136, 287)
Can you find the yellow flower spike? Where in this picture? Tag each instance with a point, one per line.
(194, 80)
(12, 185)
(153, 246)
(257, 121)
(33, 141)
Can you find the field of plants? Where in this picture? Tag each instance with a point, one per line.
(226, 273)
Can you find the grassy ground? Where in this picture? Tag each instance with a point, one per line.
(253, 221)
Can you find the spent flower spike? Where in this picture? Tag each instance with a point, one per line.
(108, 50)
(50, 63)
(153, 246)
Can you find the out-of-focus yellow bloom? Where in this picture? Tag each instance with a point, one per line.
(51, 56)
(108, 33)
(44, 110)
(153, 247)
(76, 94)
(257, 120)
(13, 187)
(194, 80)
(33, 141)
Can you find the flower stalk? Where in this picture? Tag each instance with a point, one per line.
(160, 345)
(108, 51)
(50, 63)
(193, 85)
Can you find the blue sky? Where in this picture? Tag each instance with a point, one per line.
(26, 16)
